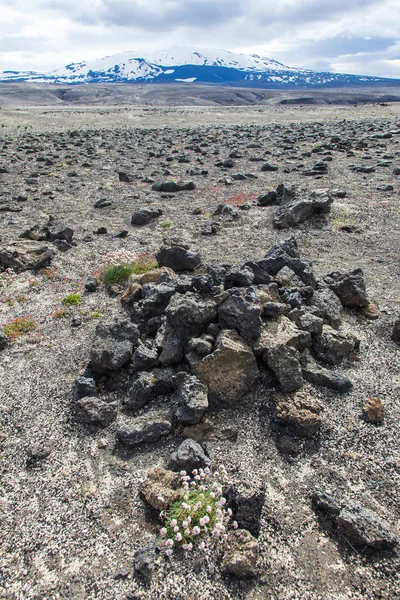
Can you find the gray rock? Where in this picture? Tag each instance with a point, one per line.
(170, 344)
(268, 199)
(149, 385)
(298, 210)
(318, 375)
(190, 455)
(300, 413)
(239, 277)
(148, 429)
(230, 371)
(178, 258)
(328, 306)
(267, 167)
(396, 331)
(202, 345)
(57, 230)
(190, 314)
(325, 501)
(306, 321)
(156, 297)
(21, 256)
(84, 386)
(113, 345)
(91, 284)
(349, 287)
(246, 504)
(145, 357)
(190, 400)
(144, 215)
(172, 186)
(280, 332)
(94, 410)
(285, 254)
(241, 554)
(4, 341)
(333, 346)
(284, 362)
(363, 527)
(245, 317)
(143, 561)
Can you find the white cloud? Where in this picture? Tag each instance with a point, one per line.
(353, 36)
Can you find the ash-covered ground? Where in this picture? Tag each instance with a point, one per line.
(71, 515)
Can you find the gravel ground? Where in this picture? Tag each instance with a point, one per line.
(71, 522)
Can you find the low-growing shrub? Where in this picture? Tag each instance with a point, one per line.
(199, 516)
(165, 225)
(71, 300)
(19, 326)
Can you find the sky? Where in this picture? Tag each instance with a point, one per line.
(342, 36)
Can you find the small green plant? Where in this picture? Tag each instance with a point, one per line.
(120, 265)
(165, 225)
(199, 515)
(19, 326)
(71, 299)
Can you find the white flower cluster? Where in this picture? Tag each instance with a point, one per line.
(120, 257)
(200, 513)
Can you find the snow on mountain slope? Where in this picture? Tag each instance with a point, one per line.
(214, 66)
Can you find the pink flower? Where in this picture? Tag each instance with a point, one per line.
(196, 530)
(168, 552)
(163, 531)
(235, 525)
(178, 537)
(202, 546)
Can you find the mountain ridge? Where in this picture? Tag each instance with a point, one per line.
(205, 66)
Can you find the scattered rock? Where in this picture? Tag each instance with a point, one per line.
(178, 258)
(147, 429)
(190, 455)
(363, 527)
(94, 410)
(172, 186)
(333, 346)
(4, 341)
(298, 210)
(190, 401)
(144, 215)
(113, 345)
(241, 554)
(373, 411)
(161, 488)
(300, 413)
(21, 256)
(349, 287)
(143, 561)
(246, 504)
(396, 331)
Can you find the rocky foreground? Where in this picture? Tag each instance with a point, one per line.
(260, 332)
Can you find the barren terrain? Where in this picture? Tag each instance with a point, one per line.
(71, 516)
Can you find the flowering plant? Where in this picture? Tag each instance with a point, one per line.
(200, 514)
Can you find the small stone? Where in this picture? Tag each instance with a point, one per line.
(91, 284)
(371, 311)
(363, 527)
(396, 331)
(161, 488)
(300, 413)
(143, 561)
(241, 554)
(147, 429)
(373, 411)
(190, 455)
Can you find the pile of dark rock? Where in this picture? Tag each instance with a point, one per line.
(193, 342)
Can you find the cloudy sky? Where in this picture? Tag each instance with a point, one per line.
(348, 36)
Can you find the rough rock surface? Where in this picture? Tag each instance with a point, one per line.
(241, 554)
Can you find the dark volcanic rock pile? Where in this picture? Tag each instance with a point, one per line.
(204, 340)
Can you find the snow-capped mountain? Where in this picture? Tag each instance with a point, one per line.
(210, 66)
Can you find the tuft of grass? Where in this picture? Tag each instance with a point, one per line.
(71, 300)
(60, 313)
(116, 274)
(165, 225)
(19, 326)
(119, 273)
